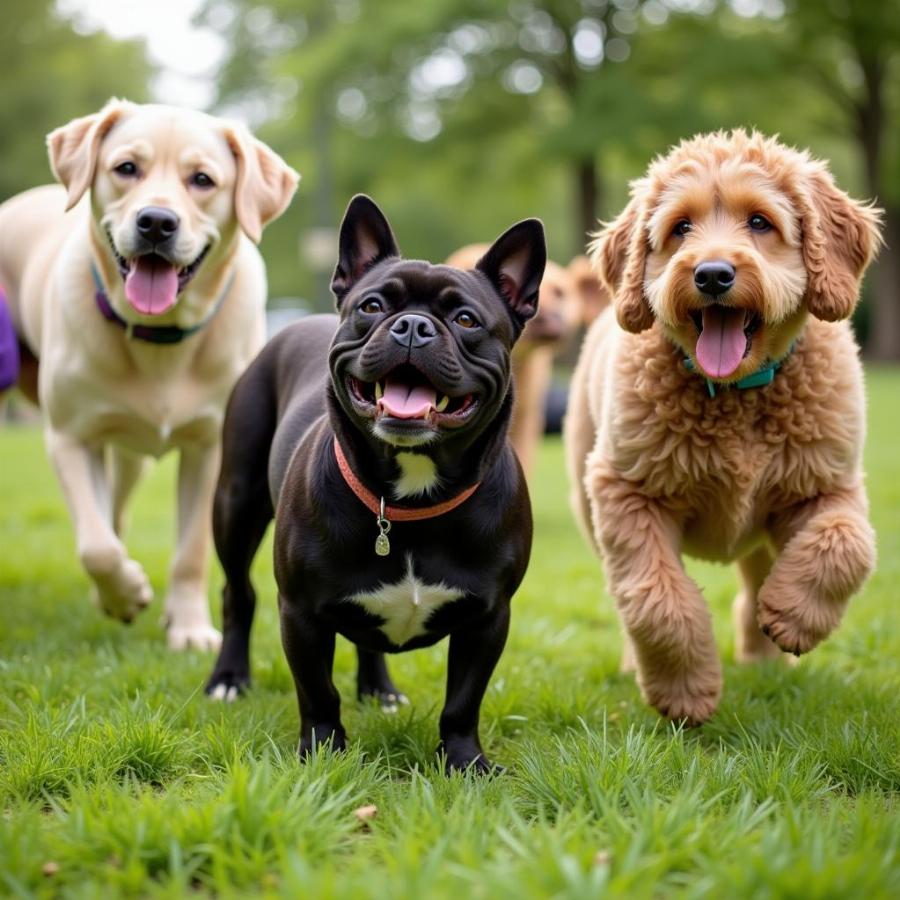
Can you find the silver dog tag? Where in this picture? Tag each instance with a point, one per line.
(382, 544)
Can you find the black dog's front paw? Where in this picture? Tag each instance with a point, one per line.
(465, 755)
(227, 684)
(322, 736)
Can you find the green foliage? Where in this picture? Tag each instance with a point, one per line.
(51, 74)
(852, 52)
(117, 770)
(420, 105)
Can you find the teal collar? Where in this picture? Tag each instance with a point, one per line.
(760, 378)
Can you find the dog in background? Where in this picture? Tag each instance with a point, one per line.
(594, 296)
(137, 289)
(556, 323)
(718, 408)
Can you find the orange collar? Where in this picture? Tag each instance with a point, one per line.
(396, 513)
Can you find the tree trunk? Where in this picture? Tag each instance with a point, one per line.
(323, 192)
(884, 330)
(884, 322)
(587, 200)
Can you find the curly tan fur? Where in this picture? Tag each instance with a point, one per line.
(769, 477)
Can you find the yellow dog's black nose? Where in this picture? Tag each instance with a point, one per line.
(157, 224)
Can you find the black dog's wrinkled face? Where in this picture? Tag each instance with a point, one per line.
(422, 350)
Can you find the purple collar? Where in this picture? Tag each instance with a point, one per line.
(153, 334)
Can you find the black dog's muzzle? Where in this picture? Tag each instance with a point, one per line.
(413, 331)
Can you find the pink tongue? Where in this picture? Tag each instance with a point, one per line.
(722, 342)
(151, 285)
(405, 402)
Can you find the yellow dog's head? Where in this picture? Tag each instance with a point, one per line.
(559, 308)
(170, 188)
(729, 242)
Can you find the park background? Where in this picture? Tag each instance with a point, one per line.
(117, 778)
(462, 116)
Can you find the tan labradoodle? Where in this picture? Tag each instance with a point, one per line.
(718, 409)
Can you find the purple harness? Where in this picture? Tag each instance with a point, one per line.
(9, 347)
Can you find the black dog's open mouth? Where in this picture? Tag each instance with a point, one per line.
(406, 395)
(724, 337)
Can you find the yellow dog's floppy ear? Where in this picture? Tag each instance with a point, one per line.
(265, 182)
(619, 253)
(73, 148)
(840, 238)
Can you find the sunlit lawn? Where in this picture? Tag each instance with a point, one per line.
(118, 777)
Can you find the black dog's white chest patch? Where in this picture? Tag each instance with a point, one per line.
(406, 605)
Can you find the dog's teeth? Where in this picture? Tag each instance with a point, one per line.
(444, 403)
(379, 391)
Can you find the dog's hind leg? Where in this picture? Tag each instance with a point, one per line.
(750, 644)
(28, 373)
(374, 680)
(187, 620)
(125, 469)
(628, 662)
(242, 510)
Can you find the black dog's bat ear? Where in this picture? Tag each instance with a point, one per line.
(366, 239)
(514, 264)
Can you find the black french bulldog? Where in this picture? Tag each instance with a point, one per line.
(378, 438)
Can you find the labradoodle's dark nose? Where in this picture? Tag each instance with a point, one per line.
(714, 277)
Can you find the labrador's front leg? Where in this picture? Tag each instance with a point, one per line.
(187, 619)
(121, 587)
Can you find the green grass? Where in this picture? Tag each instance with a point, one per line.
(118, 778)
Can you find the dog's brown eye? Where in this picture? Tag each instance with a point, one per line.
(759, 223)
(371, 305)
(126, 169)
(466, 320)
(201, 180)
(682, 227)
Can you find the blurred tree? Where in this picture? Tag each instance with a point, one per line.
(58, 74)
(851, 53)
(484, 108)
(539, 64)
(478, 112)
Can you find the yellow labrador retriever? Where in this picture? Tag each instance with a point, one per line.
(138, 288)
